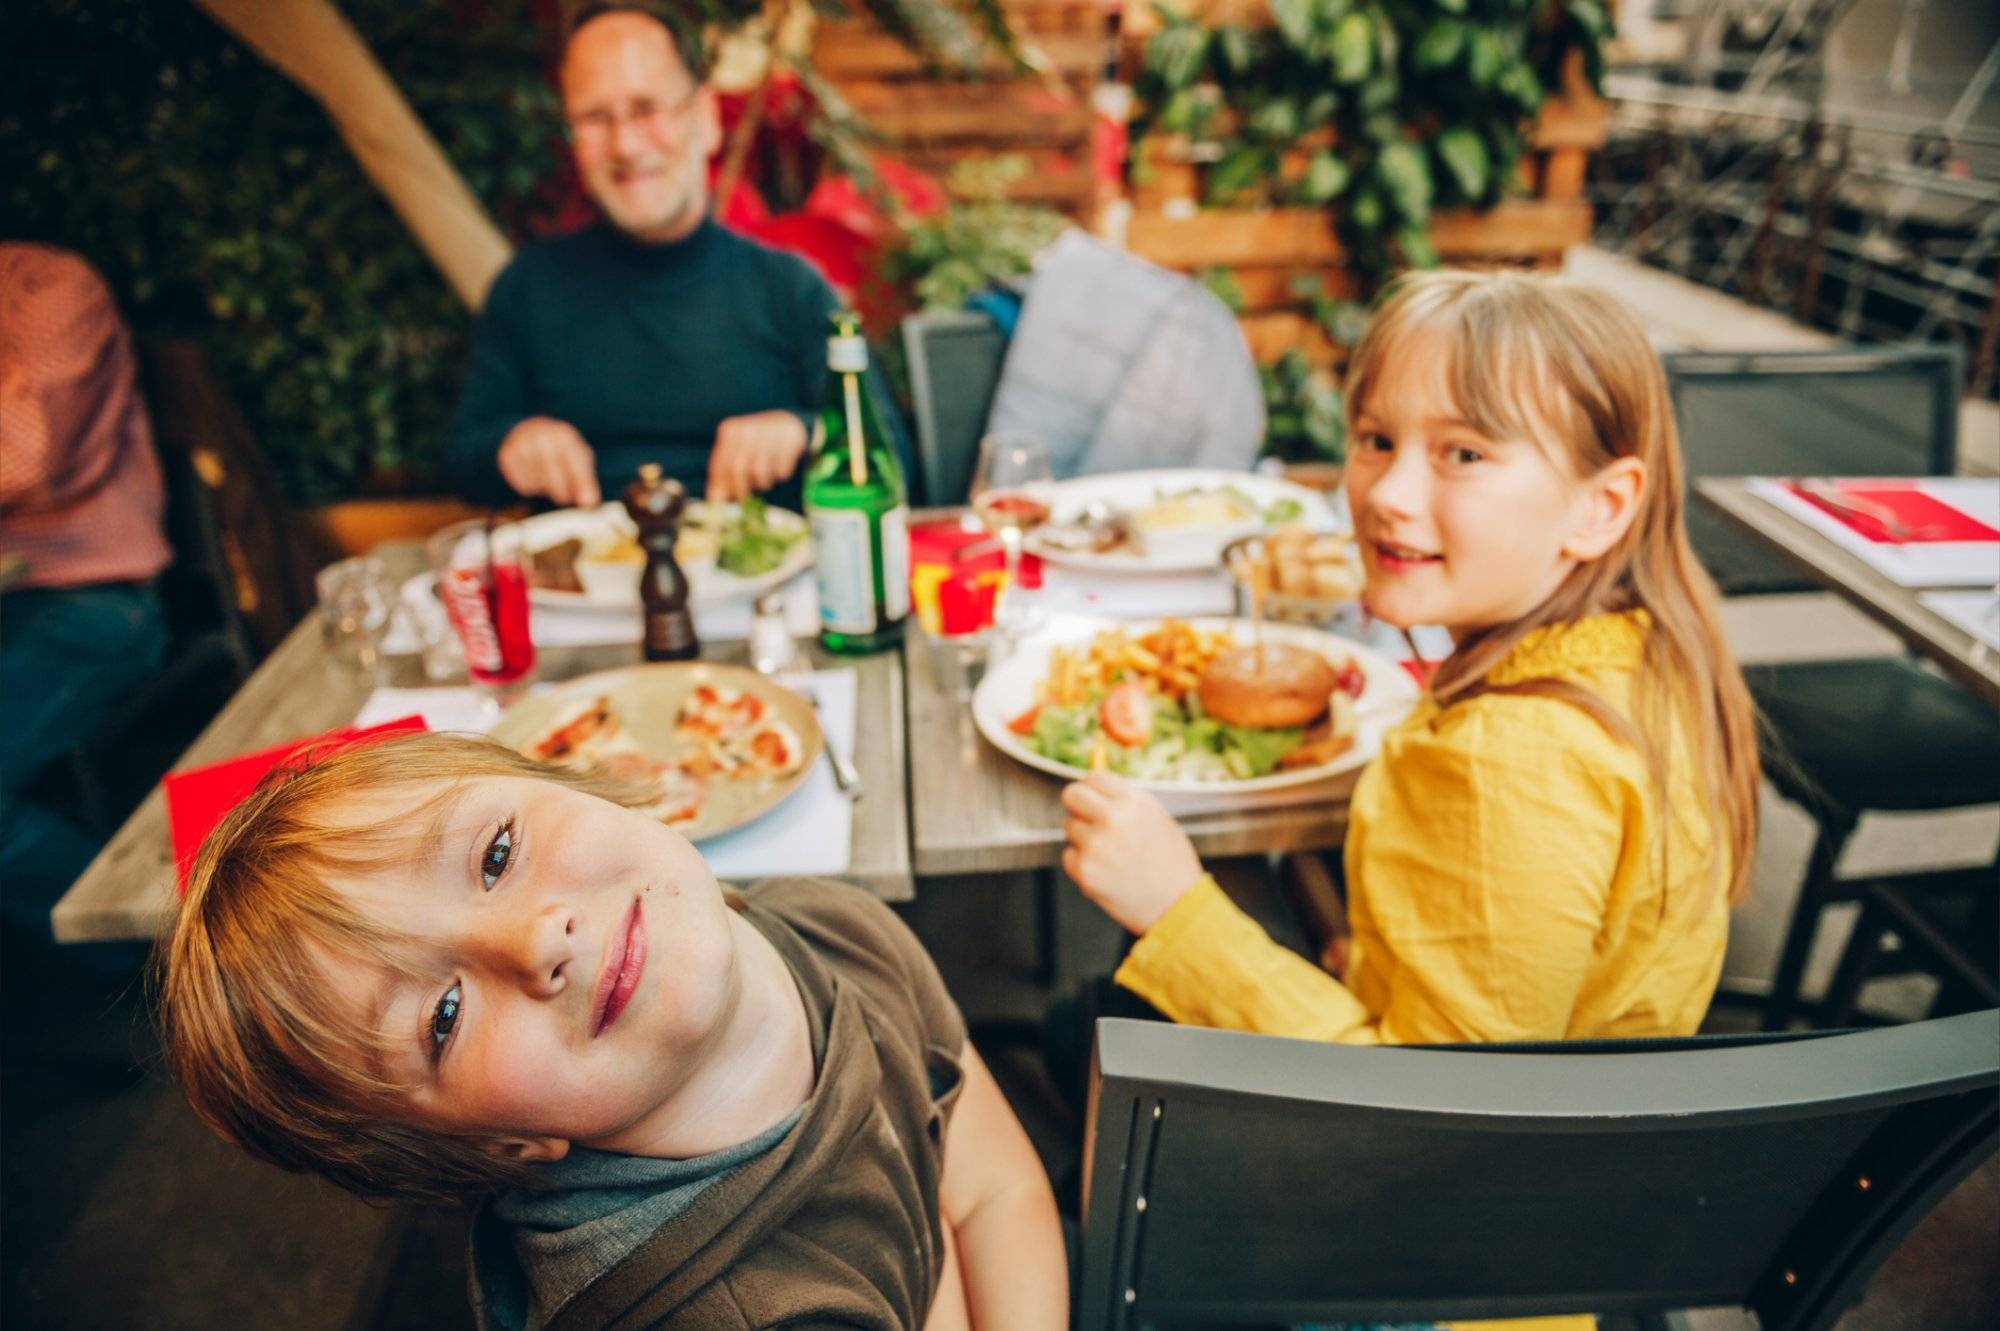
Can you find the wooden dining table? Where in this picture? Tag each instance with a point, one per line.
(938, 801)
(301, 690)
(1889, 603)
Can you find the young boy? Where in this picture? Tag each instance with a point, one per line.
(432, 968)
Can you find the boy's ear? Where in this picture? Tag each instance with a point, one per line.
(1610, 502)
(538, 1150)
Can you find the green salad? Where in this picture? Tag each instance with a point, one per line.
(749, 544)
(1183, 743)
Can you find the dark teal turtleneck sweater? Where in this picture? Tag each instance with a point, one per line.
(645, 349)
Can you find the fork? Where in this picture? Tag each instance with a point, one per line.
(1840, 501)
(799, 679)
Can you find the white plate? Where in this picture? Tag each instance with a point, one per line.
(1182, 551)
(1009, 690)
(707, 583)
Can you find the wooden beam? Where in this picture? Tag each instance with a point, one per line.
(840, 53)
(1305, 236)
(312, 44)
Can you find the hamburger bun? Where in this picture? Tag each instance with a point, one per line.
(1282, 686)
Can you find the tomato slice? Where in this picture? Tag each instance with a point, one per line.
(1024, 724)
(1127, 713)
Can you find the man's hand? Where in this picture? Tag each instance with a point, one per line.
(754, 453)
(1126, 851)
(545, 456)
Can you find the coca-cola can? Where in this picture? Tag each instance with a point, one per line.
(482, 579)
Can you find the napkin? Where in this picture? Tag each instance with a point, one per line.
(198, 798)
(810, 832)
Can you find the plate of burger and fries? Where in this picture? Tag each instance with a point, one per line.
(1192, 706)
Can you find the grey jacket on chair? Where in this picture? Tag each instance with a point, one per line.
(1120, 364)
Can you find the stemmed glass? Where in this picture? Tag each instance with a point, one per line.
(356, 602)
(1011, 491)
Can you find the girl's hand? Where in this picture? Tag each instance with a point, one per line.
(1126, 851)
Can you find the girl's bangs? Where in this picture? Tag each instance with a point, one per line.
(1494, 350)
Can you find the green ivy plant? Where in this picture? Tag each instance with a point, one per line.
(979, 239)
(1400, 106)
(1303, 416)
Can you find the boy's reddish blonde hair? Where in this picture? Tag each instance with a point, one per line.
(1567, 367)
(253, 1028)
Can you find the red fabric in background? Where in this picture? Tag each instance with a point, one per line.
(198, 798)
(1924, 517)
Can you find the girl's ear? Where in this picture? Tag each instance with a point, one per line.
(1608, 506)
(536, 1150)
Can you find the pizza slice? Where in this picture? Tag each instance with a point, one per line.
(713, 713)
(577, 730)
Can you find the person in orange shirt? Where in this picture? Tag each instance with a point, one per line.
(81, 501)
(1547, 847)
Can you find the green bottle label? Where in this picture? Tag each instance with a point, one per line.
(843, 549)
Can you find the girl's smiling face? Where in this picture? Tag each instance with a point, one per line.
(1456, 528)
(569, 962)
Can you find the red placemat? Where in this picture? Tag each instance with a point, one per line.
(1892, 514)
(199, 797)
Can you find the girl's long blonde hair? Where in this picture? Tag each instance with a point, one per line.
(1563, 365)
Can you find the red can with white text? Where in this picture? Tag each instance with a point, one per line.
(483, 581)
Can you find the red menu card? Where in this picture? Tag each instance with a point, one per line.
(198, 798)
(1893, 514)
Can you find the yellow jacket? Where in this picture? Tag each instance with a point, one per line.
(1505, 881)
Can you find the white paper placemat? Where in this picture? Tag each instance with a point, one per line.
(1136, 595)
(565, 626)
(810, 832)
(1978, 613)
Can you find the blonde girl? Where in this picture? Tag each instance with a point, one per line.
(1548, 846)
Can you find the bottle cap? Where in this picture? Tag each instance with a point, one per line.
(649, 472)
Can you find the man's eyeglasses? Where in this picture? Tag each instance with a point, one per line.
(665, 121)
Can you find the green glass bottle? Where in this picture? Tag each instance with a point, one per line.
(855, 501)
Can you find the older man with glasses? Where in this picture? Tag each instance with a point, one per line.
(654, 335)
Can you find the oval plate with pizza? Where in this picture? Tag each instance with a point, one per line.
(724, 744)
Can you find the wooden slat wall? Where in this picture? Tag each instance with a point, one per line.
(934, 119)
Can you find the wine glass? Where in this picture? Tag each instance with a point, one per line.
(1012, 487)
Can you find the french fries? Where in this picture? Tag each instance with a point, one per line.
(1168, 660)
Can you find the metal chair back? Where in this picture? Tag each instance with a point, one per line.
(1854, 411)
(1239, 1178)
(954, 359)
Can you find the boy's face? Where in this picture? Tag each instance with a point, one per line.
(573, 959)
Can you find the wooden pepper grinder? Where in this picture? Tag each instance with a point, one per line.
(656, 503)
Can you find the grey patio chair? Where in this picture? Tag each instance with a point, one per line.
(1849, 411)
(954, 358)
(1845, 737)
(1241, 1178)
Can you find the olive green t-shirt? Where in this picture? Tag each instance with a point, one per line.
(838, 1223)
